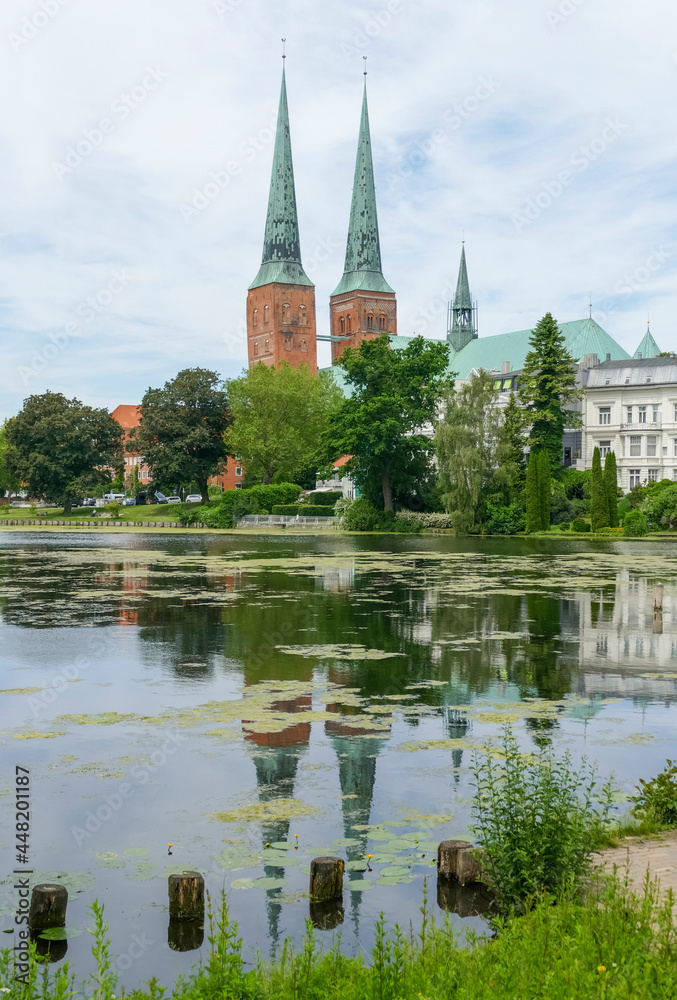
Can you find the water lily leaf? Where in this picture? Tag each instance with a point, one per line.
(268, 882)
(345, 842)
(242, 883)
(354, 866)
(132, 852)
(282, 845)
(60, 933)
(230, 860)
(358, 885)
(279, 859)
(145, 871)
(394, 871)
(395, 880)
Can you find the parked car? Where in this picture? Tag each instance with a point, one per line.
(88, 502)
(19, 503)
(173, 500)
(194, 498)
(141, 498)
(158, 497)
(128, 502)
(113, 497)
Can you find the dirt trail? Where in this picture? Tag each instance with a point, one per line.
(660, 856)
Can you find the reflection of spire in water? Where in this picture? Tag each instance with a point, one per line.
(457, 726)
(357, 775)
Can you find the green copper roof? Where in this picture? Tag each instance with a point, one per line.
(363, 253)
(463, 327)
(281, 260)
(583, 336)
(648, 348)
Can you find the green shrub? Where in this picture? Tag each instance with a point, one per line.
(304, 509)
(326, 498)
(362, 516)
(578, 524)
(505, 520)
(426, 520)
(564, 526)
(635, 524)
(624, 507)
(577, 483)
(660, 505)
(657, 799)
(537, 821)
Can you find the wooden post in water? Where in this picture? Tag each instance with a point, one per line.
(456, 859)
(326, 878)
(658, 597)
(186, 896)
(48, 906)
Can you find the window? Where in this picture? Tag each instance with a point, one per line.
(605, 414)
(507, 383)
(286, 313)
(674, 475)
(256, 317)
(303, 320)
(497, 383)
(629, 414)
(641, 414)
(656, 414)
(256, 351)
(382, 322)
(370, 322)
(604, 448)
(238, 470)
(676, 412)
(648, 378)
(653, 475)
(634, 477)
(266, 313)
(607, 381)
(342, 325)
(267, 342)
(635, 446)
(350, 325)
(651, 445)
(627, 381)
(238, 486)
(674, 445)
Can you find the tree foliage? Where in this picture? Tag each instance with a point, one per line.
(182, 427)
(611, 487)
(8, 480)
(394, 396)
(599, 506)
(533, 497)
(544, 487)
(278, 418)
(59, 449)
(548, 389)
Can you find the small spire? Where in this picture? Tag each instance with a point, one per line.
(365, 67)
(590, 305)
(284, 48)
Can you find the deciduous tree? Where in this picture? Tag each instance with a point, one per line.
(394, 396)
(58, 448)
(278, 418)
(182, 427)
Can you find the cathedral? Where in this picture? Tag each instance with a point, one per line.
(281, 317)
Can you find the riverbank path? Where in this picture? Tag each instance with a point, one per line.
(658, 855)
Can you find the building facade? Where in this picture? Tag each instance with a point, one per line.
(630, 408)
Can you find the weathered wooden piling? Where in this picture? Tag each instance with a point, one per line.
(456, 860)
(467, 901)
(48, 906)
(326, 914)
(185, 935)
(658, 597)
(326, 878)
(186, 896)
(657, 623)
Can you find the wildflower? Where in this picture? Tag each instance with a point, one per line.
(267, 845)
(601, 968)
(613, 965)
(4, 989)
(638, 925)
(371, 856)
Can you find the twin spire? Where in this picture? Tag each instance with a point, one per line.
(281, 261)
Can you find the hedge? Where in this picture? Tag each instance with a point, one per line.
(304, 509)
(578, 524)
(327, 498)
(426, 520)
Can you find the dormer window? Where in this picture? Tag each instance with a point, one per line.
(648, 378)
(607, 381)
(627, 381)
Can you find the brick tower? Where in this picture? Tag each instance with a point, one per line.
(281, 299)
(363, 305)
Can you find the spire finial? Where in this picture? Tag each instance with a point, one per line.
(284, 48)
(365, 67)
(648, 320)
(463, 239)
(590, 305)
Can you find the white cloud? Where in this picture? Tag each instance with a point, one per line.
(447, 160)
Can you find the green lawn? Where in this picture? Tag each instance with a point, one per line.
(149, 512)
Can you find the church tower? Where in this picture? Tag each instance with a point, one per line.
(281, 299)
(363, 305)
(462, 316)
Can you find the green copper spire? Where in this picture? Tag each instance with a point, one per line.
(281, 246)
(648, 347)
(363, 253)
(462, 314)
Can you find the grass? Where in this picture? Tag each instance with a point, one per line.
(149, 512)
(617, 945)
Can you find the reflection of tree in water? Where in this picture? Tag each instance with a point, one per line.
(185, 635)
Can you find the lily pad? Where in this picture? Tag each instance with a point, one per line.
(132, 852)
(394, 880)
(354, 866)
(145, 871)
(394, 871)
(279, 859)
(345, 842)
(358, 885)
(60, 933)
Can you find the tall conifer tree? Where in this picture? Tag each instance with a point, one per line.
(534, 521)
(544, 487)
(599, 506)
(611, 487)
(548, 388)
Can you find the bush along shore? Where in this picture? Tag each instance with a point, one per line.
(557, 932)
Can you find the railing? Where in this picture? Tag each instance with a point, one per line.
(286, 521)
(654, 425)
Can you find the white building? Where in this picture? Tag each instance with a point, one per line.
(630, 407)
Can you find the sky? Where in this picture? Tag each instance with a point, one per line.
(136, 142)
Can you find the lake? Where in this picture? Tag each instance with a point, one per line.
(259, 701)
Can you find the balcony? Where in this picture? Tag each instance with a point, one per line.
(641, 428)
